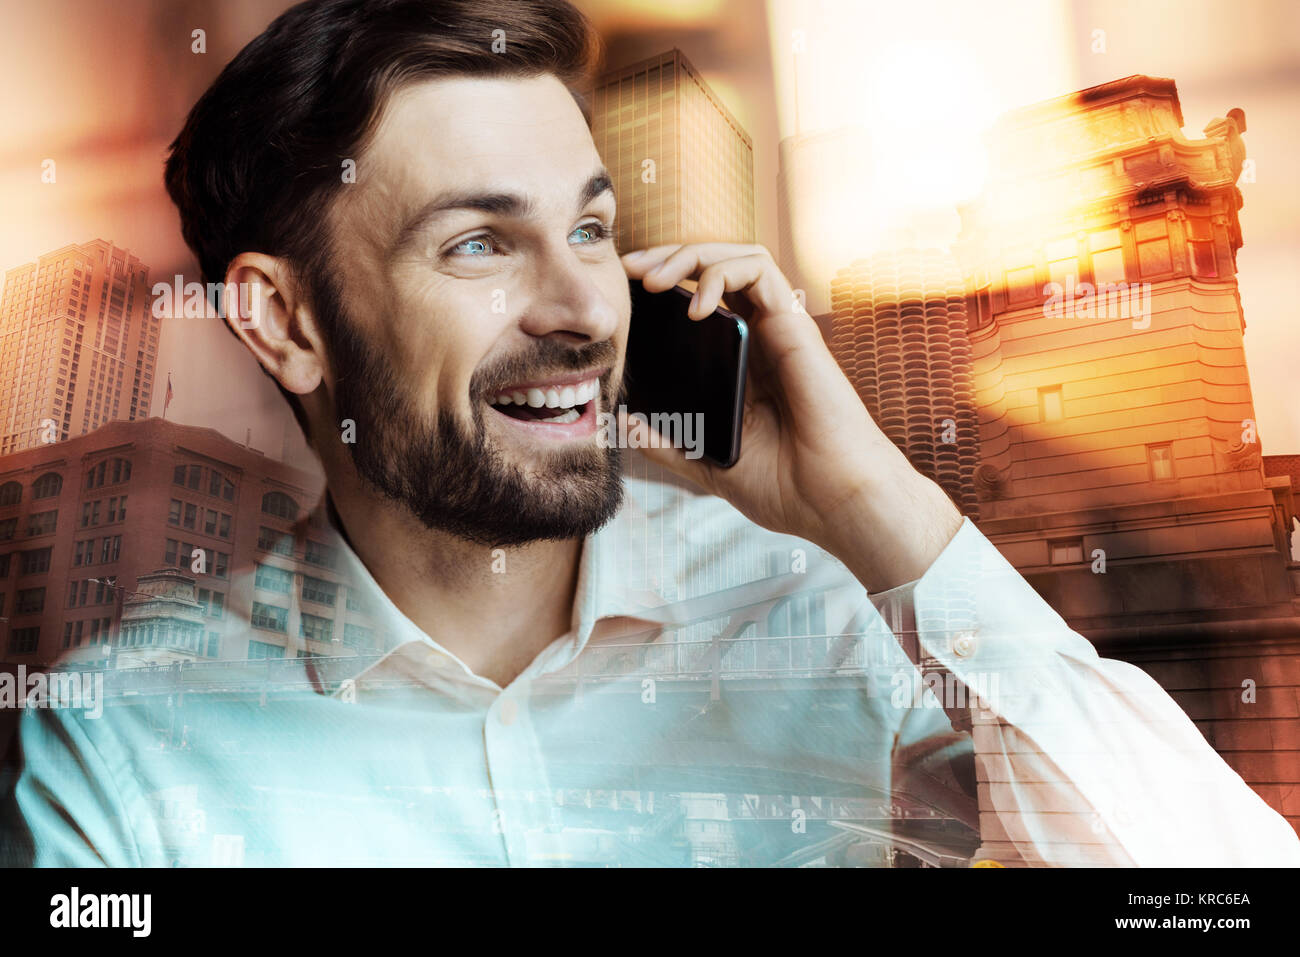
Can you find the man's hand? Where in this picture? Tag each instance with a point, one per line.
(812, 462)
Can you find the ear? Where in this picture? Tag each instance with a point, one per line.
(268, 312)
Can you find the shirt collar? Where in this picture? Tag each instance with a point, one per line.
(604, 606)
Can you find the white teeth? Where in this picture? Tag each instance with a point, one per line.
(564, 418)
(553, 397)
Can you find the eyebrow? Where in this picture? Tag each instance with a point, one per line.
(514, 205)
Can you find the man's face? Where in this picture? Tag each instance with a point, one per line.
(476, 268)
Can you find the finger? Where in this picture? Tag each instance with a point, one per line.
(668, 265)
(731, 275)
(757, 275)
(638, 262)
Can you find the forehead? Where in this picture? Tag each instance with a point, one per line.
(525, 135)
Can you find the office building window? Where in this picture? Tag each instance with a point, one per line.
(270, 617)
(273, 579)
(29, 601)
(23, 641)
(42, 523)
(319, 554)
(1051, 407)
(1063, 262)
(355, 636)
(316, 628)
(269, 540)
(1107, 256)
(261, 650)
(279, 505)
(1161, 459)
(1200, 244)
(34, 561)
(47, 486)
(319, 591)
(1065, 551)
(1153, 247)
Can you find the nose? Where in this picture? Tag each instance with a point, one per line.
(568, 299)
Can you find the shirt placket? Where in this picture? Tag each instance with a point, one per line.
(523, 808)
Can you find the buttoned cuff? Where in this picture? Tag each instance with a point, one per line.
(978, 619)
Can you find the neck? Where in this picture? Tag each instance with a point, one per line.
(494, 608)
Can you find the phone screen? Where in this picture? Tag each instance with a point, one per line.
(689, 374)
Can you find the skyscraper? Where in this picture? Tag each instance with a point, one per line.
(899, 334)
(78, 344)
(682, 166)
(683, 171)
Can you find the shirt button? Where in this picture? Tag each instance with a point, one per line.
(509, 711)
(963, 644)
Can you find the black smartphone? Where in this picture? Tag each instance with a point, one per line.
(686, 377)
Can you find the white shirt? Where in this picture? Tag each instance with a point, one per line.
(725, 696)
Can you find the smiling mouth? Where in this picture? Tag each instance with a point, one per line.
(554, 403)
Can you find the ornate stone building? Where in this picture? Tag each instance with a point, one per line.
(1121, 464)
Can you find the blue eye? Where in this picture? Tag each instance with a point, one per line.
(597, 231)
(482, 242)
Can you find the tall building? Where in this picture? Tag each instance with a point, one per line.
(683, 171)
(899, 334)
(78, 344)
(91, 527)
(682, 166)
(1121, 464)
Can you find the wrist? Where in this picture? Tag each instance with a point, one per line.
(891, 531)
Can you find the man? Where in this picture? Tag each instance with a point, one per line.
(574, 668)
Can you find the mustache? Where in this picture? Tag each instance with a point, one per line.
(547, 359)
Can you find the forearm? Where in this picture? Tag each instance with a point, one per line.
(1084, 760)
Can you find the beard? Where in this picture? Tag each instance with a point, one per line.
(451, 476)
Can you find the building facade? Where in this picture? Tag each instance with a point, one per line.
(682, 166)
(1121, 468)
(1117, 424)
(78, 344)
(86, 525)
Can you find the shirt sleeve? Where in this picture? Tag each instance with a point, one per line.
(1080, 759)
(61, 802)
